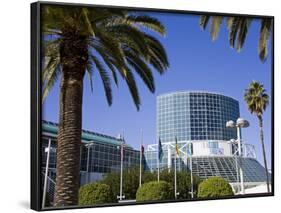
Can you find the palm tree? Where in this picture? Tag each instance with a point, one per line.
(238, 30)
(257, 100)
(81, 41)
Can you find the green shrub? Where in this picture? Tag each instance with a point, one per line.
(95, 193)
(214, 187)
(154, 190)
(183, 182)
(130, 182)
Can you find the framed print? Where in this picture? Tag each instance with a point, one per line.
(140, 106)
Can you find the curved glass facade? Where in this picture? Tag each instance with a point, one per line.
(195, 116)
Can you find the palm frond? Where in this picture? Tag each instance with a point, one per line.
(50, 65)
(51, 49)
(50, 80)
(51, 68)
(130, 35)
(52, 19)
(243, 31)
(156, 50)
(109, 61)
(265, 30)
(105, 78)
(90, 70)
(233, 30)
(215, 26)
(130, 80)
(112, 53)
(89, 25)
(203, 22)
(142, 70)
(148, 22)
(105, 16)
(108, 41)
(229, 22)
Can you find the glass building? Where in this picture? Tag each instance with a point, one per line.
(195, 116)
(99, 155)
(198, 120)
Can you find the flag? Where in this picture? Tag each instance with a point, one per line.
(160, 150)
(177, 147)
(142, 149)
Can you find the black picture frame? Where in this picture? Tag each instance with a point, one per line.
(36, 101)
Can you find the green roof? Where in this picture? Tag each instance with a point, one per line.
(52, 128)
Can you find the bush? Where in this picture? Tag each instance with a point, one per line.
(95, 193)
(183, 182)
(214, 187)
(130, 182)
(154, 190)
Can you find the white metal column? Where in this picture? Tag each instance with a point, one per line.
(169, 158)
(48, 150)
(240, 160)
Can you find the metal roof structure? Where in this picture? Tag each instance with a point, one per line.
(87, 136)
(225, 167)
(205, 166)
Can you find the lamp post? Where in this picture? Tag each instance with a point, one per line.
(121, 196)
(88, 145)
(240, 123)
(48, 150)
(175, 177)
(234, 142)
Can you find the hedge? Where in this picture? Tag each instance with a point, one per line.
(214, 187)
(95, 193)
(154, 190)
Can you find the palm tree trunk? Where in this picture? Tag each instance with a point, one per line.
(73, 54)
(263, 151)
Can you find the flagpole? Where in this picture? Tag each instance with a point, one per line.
(175, 176)
(121, 170)
(175, 160)
(191, 175)
(141, 156)
(158, 177)
(158, 163)
(121, 173)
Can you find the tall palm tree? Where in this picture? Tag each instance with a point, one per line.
(257, 100)
(238, 30)
(81, 41)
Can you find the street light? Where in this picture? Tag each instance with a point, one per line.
(240, 123)
(234, 142)
(48, 150)
(88, 146)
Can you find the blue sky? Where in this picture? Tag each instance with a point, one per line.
(196, 63)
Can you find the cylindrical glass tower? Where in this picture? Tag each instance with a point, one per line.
(195, 115)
